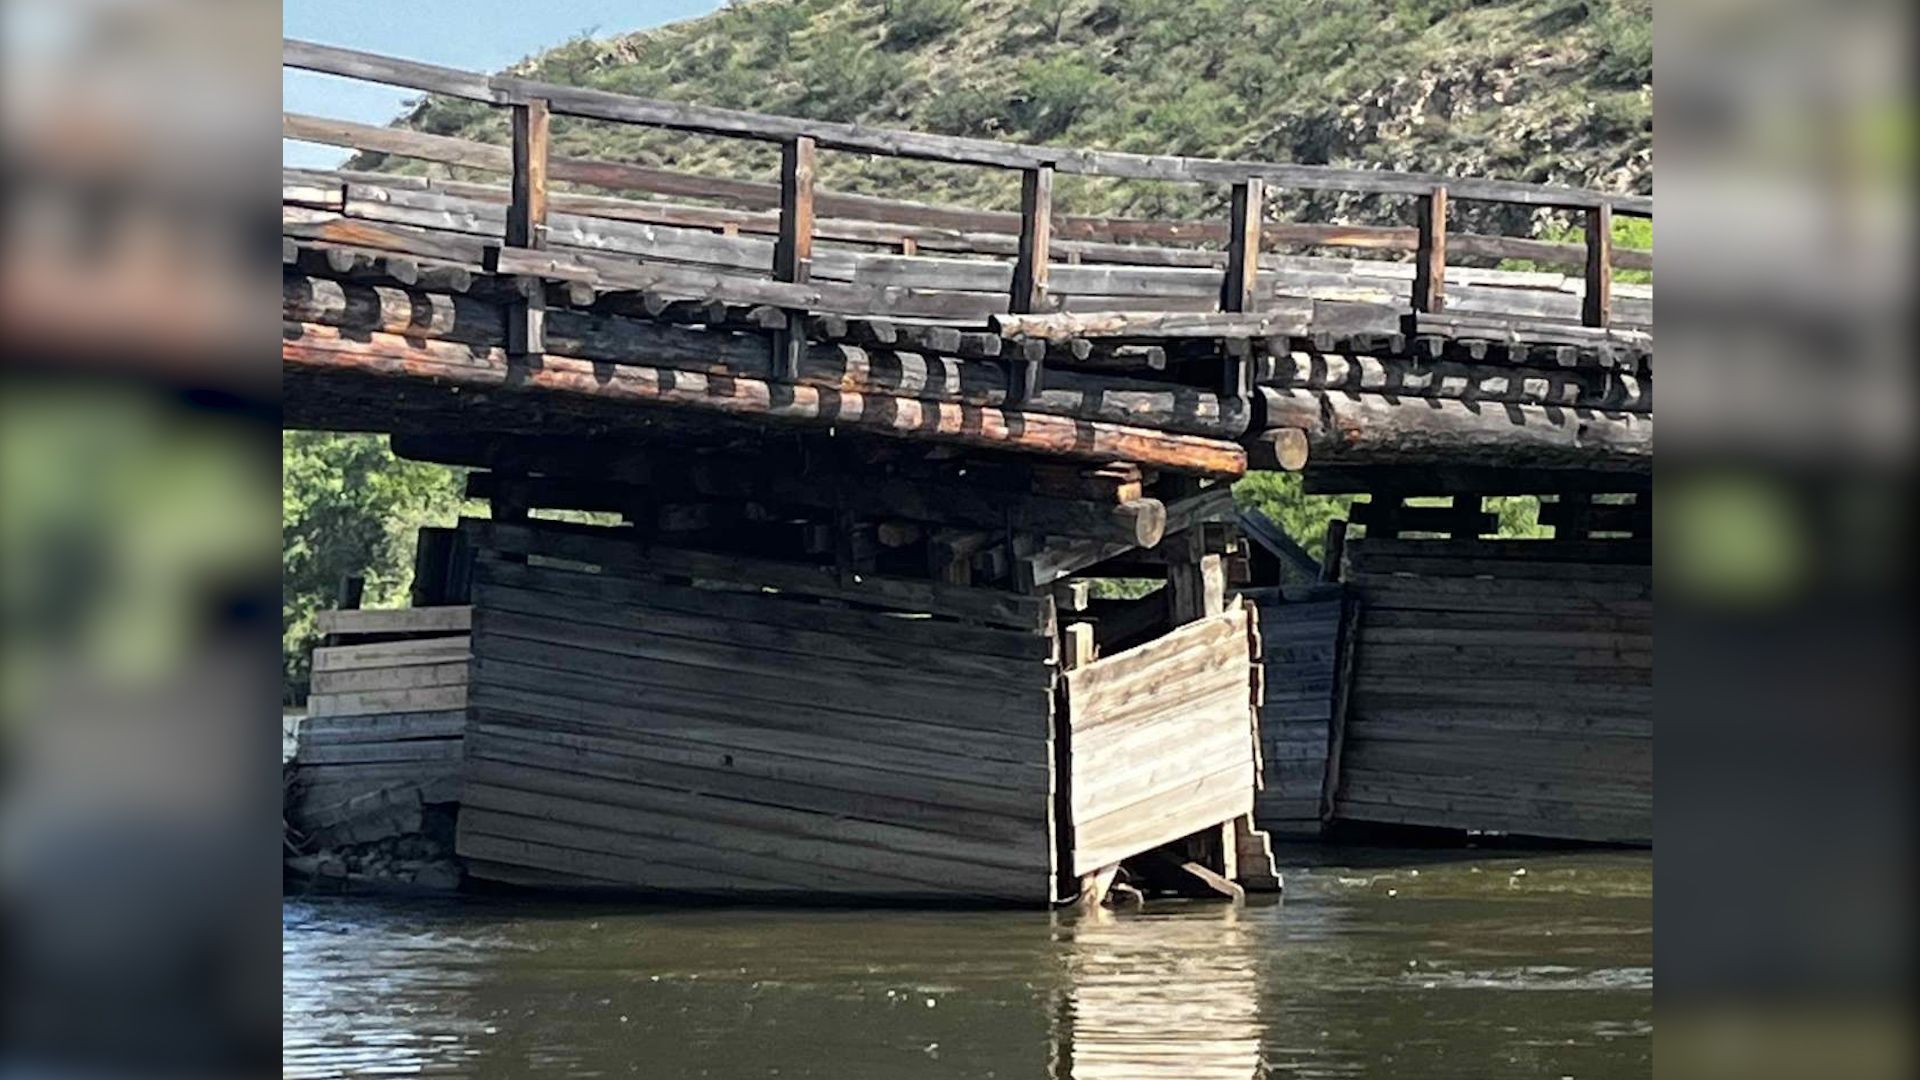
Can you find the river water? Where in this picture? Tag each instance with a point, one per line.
(1411, 964)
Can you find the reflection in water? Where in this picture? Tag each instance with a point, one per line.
(1174, 995)
(1462, 968)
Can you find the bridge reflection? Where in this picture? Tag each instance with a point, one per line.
(1174, 995)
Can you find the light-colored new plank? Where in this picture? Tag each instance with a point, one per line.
(451, 619)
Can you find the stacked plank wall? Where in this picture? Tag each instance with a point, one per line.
(1300, 650)
(664, 720)
(384, 726)
(1502, 686)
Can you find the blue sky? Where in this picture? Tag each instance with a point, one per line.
(477, 35)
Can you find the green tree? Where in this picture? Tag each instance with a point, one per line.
(1519, 517)
(1054, 92)
(349, 506)
(1279, 495)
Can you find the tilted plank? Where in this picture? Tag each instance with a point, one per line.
(567, 697)
(1162, 739)
(775, 610)
(741, 742)
(1007, 829)
(531, 846)
(534, 667)
(1016, 611)
(861, 817)
(824, 846)
(887, 676)
(639, 676)
(1129, 830)
(1212, 741)
(1214, 646)
(777, 644)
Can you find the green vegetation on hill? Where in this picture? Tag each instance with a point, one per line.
(1538, 90)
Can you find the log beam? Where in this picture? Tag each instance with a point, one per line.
(312, 348)
(1371, 429)
(830, 367)
(1136, 523)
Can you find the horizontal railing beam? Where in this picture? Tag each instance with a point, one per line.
(956, 222)
(951, 149)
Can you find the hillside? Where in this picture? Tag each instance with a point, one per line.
(1539, 90)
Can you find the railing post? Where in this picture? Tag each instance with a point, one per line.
(1430, 261)
(527, 221)
(793, 251)
(527, 216)
(1598, 307)
(1036, 229)
(1239, 291)
(1025, 376)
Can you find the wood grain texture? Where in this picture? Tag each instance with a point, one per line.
(1502, 687)
(394, 620)
(1162, 742)
(312, 348)
(1301, 653)
(745, 742)
(385, 726)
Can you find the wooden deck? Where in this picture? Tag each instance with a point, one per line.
(558, 301)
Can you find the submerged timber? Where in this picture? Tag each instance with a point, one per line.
(869, 456)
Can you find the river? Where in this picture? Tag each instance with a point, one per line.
(1412, 964)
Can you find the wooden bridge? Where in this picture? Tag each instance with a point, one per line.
(953, 414)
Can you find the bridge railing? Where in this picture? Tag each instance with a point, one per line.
(1032, 237)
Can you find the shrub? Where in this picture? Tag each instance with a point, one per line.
(912, 22)
(968, 110)
(1625, 30)
(1054, 92)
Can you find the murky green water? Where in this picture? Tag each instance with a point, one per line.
(1415, 966)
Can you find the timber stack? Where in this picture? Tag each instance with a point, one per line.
(377, 757)
(1442, 680)
(1302, 633)
(1502, 686)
